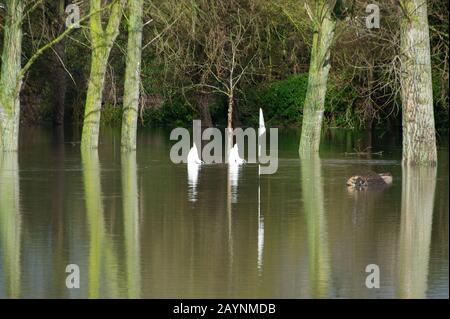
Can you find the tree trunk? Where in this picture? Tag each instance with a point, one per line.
(132, 75)
(102, 42)
(10, 80)
(230, 121)
(203, 107)
(60, 83)
(317, 83)
(60, 80)
(92, 111)
(236, 115)
(10, 130)
(419, 136)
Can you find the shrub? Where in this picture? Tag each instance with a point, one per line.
(283, 101)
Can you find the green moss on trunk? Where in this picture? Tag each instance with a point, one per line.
(102, 42)
(419, 135)
(132, 75)
(10, 79)
(324, 26)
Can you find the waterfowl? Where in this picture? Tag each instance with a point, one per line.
(233, 156)
(193, 156)
(370, 179)
(262, 125)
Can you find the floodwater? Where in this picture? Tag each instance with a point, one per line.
(139, 226)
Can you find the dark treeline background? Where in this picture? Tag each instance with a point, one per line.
(186, 54)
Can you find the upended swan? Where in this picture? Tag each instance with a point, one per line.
(193, 156)
(233, 156)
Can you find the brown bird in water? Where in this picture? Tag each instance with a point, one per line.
(368, 179)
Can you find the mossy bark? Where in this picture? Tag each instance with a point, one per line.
(10, 79)
(92, 111)
(102, 42)
(313, 109)
(132, 75)
(419, 135)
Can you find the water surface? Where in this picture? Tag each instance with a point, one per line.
(139, 226)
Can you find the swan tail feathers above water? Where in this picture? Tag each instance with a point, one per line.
(193, 157)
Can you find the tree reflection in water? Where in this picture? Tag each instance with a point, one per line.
(10, 222)
(313, 205)
(418, 190)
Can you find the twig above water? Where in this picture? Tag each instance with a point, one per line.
(365, 153)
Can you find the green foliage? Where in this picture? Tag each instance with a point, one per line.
(339, 106)
(282, 102)
(174, 112)
(440, 99)
(111, 115)
(283, 49)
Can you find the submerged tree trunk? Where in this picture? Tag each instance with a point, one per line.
(10, 79)
(317, 82)
(102, 42)
(132, 75)
(92, 112)
(419, 136)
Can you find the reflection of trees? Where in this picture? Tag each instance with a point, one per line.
(100, 249)
(364, 231)
(57, 208)
(313, 202)
(10, 222)
(131, 223)
(418, 188)
(186, 249)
